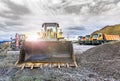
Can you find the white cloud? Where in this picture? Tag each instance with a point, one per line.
(56, 1)
(3, 7)
(118, 4)
(20, 2)
(92, 14)
(85, 10)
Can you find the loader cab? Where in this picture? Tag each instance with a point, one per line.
(50, 27)
(52, 30)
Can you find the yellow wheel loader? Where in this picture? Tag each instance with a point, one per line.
(50, 49)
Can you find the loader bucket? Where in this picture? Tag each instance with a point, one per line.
(49, 53)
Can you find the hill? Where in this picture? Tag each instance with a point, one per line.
(114, 29)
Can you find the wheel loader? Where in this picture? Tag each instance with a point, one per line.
(50, 49)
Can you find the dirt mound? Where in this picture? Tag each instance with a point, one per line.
(108, 51)
(103, 59)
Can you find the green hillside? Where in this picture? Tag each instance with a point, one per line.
(114, 29)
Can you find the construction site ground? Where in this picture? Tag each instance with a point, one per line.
(95, 63)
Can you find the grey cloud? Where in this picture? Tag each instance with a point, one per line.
(9, 23)
(15, 12)
(13, 17)
(16, 9)
(2, 25)
(65, 7)
(10, 29)
(74, 16)
(16, 29)
(76, 28)
(3, 28)
(73, 9)
(11, 26)
(63, 1)
(100, 7)
(72, 32)
(106, 1)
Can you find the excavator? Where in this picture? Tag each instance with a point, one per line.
(50, 49)
(16, 42)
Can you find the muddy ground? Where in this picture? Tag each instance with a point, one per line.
(100, 63)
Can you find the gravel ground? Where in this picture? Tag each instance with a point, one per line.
(88, 70)
(103, 59)
(79, 49)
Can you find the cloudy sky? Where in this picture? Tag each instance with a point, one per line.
(76, 17)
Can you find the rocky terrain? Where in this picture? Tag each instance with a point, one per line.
(103, 59)
(100, 63)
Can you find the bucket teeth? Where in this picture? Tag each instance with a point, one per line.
(58, 65)
(16, 63)
(62, 64)
(22, 66)
(41, 66)
(54, 65)
(75, 64)
(50, 65)
(32, 66)
(46, 64)
(67, 65)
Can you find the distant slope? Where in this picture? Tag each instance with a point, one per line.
(114, 29)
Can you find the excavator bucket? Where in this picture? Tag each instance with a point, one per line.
(46, 53)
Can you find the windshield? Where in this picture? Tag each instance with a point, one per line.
(53, 29)
(95, 36)
(87, 36)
